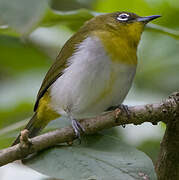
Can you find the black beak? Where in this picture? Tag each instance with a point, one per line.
(147, 18)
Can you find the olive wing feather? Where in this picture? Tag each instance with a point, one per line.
(60, 63)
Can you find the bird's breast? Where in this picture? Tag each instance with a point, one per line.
(92, 82)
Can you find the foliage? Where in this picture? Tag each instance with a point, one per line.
(94, 160)
(32, 32)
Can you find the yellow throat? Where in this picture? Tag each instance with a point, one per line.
(121, 45)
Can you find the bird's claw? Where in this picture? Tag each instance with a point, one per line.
(118, 110)
(78, 129)
(121, 107)
(125, 108)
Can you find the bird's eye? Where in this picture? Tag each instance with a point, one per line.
(123, 17)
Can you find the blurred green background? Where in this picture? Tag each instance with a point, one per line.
(31, 35)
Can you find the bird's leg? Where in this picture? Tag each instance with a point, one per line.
(77, 128)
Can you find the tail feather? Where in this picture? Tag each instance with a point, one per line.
(43, 115)
(33, 130)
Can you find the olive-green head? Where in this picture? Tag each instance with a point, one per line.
(125, 24)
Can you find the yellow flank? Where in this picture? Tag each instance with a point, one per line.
(45, 113)
(121, 45)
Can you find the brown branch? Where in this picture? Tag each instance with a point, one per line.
(167, 111)
(167, 166)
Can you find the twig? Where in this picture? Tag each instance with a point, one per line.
(139, 114)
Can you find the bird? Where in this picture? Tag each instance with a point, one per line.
(93, 71)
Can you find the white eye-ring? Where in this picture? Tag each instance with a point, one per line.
(123, 17)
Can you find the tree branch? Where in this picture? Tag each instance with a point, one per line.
(167, 112)
(167, 166)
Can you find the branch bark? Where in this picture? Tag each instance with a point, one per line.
(167, 112)
(167, 166)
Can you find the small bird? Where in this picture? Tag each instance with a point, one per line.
(93, 71)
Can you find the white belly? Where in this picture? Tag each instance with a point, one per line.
(91, 83)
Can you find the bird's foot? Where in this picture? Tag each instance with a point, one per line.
(121, 107)
(125, 108)
(77, 128)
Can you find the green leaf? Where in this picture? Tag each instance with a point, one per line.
(163, 30)
(151, 147)
(119, 5)
(159, 66)
(68, 5)
(23, 55)
(22, 15)
(14, 114)
(73, 19)
(9, 134)
(5, 30)
(98, 157)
